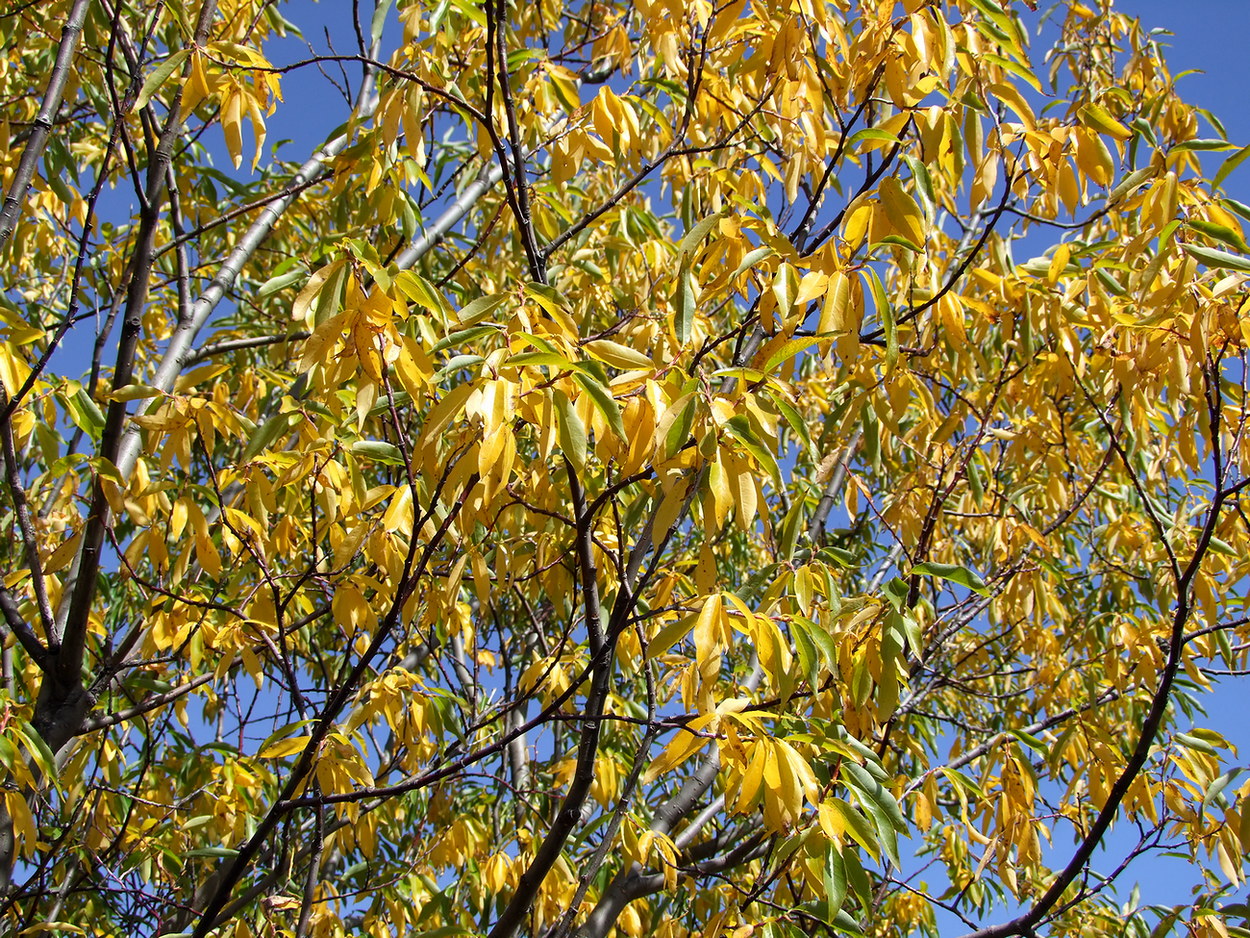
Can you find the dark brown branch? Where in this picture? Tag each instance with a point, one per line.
(42, 129)
(588, 745)
(414, 568)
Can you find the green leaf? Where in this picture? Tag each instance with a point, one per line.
(544, 359)
(788, 350)
(549, 298)
(1037, 745)
(1015, 68)
(280, 282)
(956, 574)
(881, 806)
(379, 19)
(379, 451)
(159, 76)
(885, 309)
(1134, 179)
(1221, 233)
(269, 431)
(871, 133)
(218, 852)
(750, 260)
(683, 303)
(965, 782)
(793, 418)
(480, 308)
(740, 428)
(700, 231)
(670, 635)
(1217, 259)
(837, 555)
(902, 242)
(38, 750)
(1204, 146)
(422, 292)
(835, 881)
(454, 364)
(805, 645)
(1229, 165)
(858, 826)
(896, 592)
(85, 413)
(679, 430)
(604, 402)
(572, 431)
(464, 337)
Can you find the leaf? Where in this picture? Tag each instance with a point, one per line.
(464, 337)
(479, 309)
(604, 403)
(135, 392)
(268, 432)
(378, 23)
(617, 355)
(835, 882)
(670, 635)
(788, 350)
(871, 134)
(1096, 117)
(546, 360)
(903, 213)
(881, 806)
(1221, 233)
(696, 234)
(684, 303)
(280, 282)
(956, 574)
(793, 418)
(896, 591)
(572, 431)
(679, 430)
(858, 826)
(1220, 260)
(379, 451)
(750, 259)
(284, 747)
(85, 413)
(740, 428)
(549, 298)
(423, 293)
(685, 743)
(1228, 166)
(159, 76)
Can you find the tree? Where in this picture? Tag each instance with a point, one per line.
(629, 477)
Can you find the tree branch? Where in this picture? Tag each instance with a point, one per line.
(42, 128)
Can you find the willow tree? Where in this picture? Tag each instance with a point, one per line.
(678, 468)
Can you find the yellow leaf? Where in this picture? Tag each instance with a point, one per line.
(752, 778)
(902, 212)
(707, 631)
(617, 355)
(196, 88)
(232, 123)
(284, 747)
(1096, 117)
(685, 742)
(1058, 262)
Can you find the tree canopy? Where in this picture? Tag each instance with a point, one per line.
(681, 468)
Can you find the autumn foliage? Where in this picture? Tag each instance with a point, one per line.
(679, 468)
